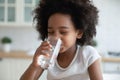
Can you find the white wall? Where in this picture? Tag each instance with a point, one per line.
(23, 38)
(109, 25)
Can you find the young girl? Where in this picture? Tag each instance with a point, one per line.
(73, 21)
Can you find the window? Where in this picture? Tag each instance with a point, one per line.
(2, 10)
(28, 10)
(16, 12)
(7, 10)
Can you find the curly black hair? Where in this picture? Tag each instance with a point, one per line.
(83, 13)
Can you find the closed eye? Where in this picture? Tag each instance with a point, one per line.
(64, 32)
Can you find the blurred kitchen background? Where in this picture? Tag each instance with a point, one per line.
(18, 29)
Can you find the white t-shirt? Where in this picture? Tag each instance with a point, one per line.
(78, 68)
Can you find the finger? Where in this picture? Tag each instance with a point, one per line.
(45, 43)
(44, 46)
(48, 47)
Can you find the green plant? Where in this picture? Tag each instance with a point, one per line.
(5, 40)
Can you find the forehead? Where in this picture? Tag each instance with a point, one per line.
(60, 20)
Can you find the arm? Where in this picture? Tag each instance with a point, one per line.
(94, 70)
(34, 71)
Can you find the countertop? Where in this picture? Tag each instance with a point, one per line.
(111, 59)
(24, 55)
(15, 54)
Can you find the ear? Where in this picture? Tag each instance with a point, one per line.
(79, 34)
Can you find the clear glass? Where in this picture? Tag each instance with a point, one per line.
(11, 14)
(2, 13)
(49, 61)
(28, 14)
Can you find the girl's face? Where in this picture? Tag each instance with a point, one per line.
(61, 26)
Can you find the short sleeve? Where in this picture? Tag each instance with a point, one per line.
(91, 55)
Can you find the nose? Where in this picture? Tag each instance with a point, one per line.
(53, 40)
(55, 36)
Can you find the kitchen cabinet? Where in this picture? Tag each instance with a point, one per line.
(13, 65)
(16, 12)
(7, 10)
(12, 69)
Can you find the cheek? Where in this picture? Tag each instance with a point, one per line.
(69, 41)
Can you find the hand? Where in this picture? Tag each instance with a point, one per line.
(43, 49)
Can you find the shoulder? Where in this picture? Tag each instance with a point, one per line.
(88, 50)
(89, 54)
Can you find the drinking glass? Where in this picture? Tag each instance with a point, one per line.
(49, 61)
